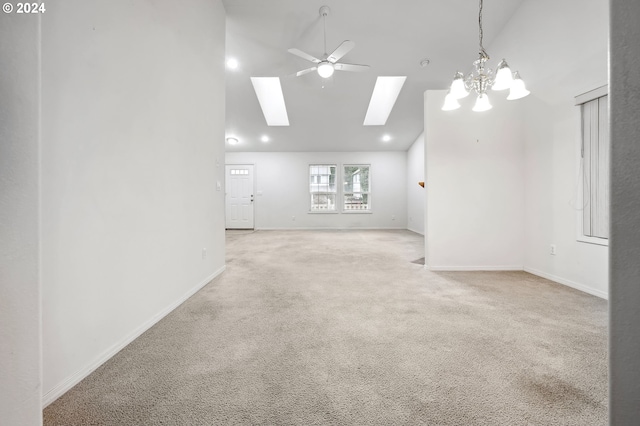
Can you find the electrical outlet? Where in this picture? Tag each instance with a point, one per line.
(552, 249)
(393, 217)
(293, 218)
(204, 253)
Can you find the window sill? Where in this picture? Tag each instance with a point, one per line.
(593, 240)
(321, 212)
(357, 211)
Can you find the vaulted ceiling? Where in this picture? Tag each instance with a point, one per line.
(393, 37)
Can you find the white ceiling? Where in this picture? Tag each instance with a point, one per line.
(390, 36)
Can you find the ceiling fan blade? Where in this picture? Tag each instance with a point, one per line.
(351, 67)
(307, 71)
(303, 55)
(342, 50)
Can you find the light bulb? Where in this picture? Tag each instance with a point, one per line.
(482, 103)
(232, 141)
(325, 69)
(503, 77)
(458, 91)
(232, 63)
(450, 103)
(264, 138)
(518, 89)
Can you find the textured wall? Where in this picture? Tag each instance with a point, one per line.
(624, 355)
(20, 383)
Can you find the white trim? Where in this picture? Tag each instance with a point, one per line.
(476, 268)
(416, 231)
(590, 240)
(568, 283)
(333, 229)
(81, 374)
(592, 94)
(356, 211)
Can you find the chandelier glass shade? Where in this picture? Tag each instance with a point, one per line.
(482, 78)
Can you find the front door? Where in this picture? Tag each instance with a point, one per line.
(239, 196)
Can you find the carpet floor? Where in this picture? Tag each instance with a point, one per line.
(346, 328)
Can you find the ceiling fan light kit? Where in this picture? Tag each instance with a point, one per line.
(481, 78)
(325, 69)
(329, 62)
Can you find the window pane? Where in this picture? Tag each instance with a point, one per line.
(356, 202)
(356, 178)
(322, 178)
(323, 202)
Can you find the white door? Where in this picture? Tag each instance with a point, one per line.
(239, 196)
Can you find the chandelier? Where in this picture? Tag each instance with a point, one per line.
(481, 78)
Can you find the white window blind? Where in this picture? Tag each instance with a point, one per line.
(595, 165)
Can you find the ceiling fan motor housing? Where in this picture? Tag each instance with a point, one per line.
(325, 11)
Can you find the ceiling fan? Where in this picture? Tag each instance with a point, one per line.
(329, 62)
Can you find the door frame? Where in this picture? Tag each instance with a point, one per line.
(254, 182)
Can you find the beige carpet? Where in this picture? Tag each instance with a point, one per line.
(331, 327)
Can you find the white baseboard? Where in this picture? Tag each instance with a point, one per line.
(79, 375)
(416, 231)
(475, 268)
(333, 229)
(568, 283)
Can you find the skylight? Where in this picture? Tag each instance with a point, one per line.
(383, 99)
(271, 100)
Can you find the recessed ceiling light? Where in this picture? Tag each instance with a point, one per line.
(386, 138)
(232, 63)
(269, 93)
(383, 98)
(264, 138)
(232, 141)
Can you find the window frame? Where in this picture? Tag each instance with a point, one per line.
(582, 99)
(335, 193)
(369, 210)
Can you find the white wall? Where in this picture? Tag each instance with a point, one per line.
(20, 372)
(133, 144)
(282, 190)
(474, 185)
(416, 195)
(561, 50)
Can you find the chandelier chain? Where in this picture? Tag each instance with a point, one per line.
(483, 53)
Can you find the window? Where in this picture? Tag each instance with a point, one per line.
(594, 161)
(322, 187)
(357, 197)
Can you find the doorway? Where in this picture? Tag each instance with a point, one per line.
(239, 196)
